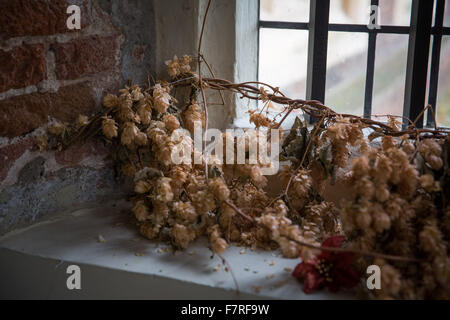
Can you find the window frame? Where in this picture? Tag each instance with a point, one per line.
(419, 59)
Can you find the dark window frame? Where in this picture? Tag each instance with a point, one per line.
(418, 57)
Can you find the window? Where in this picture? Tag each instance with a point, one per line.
(325, 50)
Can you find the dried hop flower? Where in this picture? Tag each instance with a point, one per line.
(129, 134)
(109, 127)
(145, 113)
(142, 186)
(163, 190)
(192, 115)
(217, 243)
(82, 120)
(428, 183)
(182, 235)
(110, 101)
(171, 122)
(141, 211)
(56, 129)
(177, 66)
(161, 98)
(219, 189)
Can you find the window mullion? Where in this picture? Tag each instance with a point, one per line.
(317, 50)
(418, 54)
(370, 73)
(435, 61)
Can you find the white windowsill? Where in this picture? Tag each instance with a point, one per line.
(34, 263)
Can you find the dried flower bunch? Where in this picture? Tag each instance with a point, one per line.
(395, 215)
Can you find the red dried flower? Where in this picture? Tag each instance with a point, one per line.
(333, 270)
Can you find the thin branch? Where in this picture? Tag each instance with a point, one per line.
(200, 80)
(212, 74)
(313, 135)
(332, 249)
(225, 262)
(239, 211)
(356, 251)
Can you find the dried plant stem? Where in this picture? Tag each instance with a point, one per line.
(225, 262)
(212, 74)
(239, 211)
(205, 105)
(284, 118)
(434, 116)
(305, 244)
(87, 131)
(316, 109)
(313, 135)
(360, 252)
(420, 115)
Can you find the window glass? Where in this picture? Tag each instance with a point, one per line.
(443, 99)
(349, 11)
(447, 14)
(390, 75)
(396, 12)
(346, 72)
(284, 10)
(283, 57)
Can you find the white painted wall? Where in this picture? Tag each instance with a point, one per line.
(229, 45)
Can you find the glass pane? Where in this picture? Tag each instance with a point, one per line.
(390, 75)
(346, 72)
(396, 12)
(443, 102)
(285, 10)
(447, 14)
(283, 58)
(349, 11)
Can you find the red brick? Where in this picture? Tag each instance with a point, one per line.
(85, 56)
(76, 153)
(23, 114)
(10, 153)
(22, 66)
(20, 18)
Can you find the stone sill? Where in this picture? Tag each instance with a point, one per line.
(126, 266)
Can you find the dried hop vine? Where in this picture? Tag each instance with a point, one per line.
(393, 210)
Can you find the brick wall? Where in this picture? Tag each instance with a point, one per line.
(49, 73)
